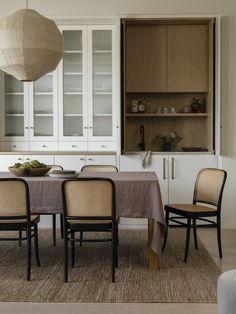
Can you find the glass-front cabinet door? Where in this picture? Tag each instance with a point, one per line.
(101, 126)
(73, 87)
(14, 112)
(43, 113)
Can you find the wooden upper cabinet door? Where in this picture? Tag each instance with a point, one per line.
(187, 58)
(145, 58)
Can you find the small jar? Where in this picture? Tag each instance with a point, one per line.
(141, 106)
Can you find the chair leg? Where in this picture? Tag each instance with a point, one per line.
(167, 227)
(20, 237)
(114, 250)
(195, 233)
(65, 253)
(28, 231)
(36, 244)
(54, 229)
(72, 237)
(61, 225)
(81, 238)
(117, 236)
(117, 244)
(187, 239)
(218, 226)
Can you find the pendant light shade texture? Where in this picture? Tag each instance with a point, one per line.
(31, 45)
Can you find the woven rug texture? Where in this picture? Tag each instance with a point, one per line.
(90, 280)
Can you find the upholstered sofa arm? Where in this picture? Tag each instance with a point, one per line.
(226, 290)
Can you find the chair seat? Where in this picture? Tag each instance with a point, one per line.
(15, 221)
(190, 208)
(93, 221)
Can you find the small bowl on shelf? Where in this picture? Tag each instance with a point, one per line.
(32, 172)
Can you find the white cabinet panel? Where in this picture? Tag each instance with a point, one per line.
(104, 146)
(15, 146)
(101, 160)
(9, 160)
(183, 170)
(44, 146)
(70, 162)
(73, 146)
(46, 159)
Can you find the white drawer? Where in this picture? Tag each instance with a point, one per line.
(73, 146)
(44, 146)
(102, 146)
(14, 146)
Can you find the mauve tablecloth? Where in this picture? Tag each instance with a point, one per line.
(137, 196)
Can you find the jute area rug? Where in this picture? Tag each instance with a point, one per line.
(90, 280)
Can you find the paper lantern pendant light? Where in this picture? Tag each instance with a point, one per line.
(31, 45)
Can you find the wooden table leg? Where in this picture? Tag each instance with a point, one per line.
(154, 261)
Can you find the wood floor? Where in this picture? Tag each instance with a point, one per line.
(208, 237)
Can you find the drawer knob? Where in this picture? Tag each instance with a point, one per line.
(44, 146)
(74, 146)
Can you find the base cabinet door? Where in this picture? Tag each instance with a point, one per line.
(70, 162)
(183, 170)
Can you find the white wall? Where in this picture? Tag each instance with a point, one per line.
(69, 8)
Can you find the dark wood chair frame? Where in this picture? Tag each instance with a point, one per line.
(30, 227)
(70, 229)
(192, 218)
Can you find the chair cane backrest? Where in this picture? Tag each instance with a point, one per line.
(89, 197)
(14, 197)
(209, 186)
(98, 168)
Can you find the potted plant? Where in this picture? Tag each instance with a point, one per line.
(168, 140)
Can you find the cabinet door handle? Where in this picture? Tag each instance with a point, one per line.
(14, 147)
(172, 168)
(44, 146)
(91, 159)
(164, 168)
(27, 158)
(20, 159)
(73, 146)
(32, 127)
(82, 159)
(103, 146)
(85, 127)
(90, 127)
(27, 128)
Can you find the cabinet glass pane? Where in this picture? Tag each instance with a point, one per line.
(14, 106)
(43, 126)
(73, 126)
(72, 40)
(12, 85)
(14, 126)
(102, 126)
(102, 82)
(72, 62)
(43, 106)
(73, 84)
(73, 104)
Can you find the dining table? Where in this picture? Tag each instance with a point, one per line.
(138, 195)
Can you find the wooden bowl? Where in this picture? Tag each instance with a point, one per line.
(33, 172)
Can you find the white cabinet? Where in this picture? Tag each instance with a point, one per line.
(76, 162)
(176, 173)
(87, 88)
(28, 112)
(9, 160)
(183, 170)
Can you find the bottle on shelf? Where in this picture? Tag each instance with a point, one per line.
(141, 106)
(148, 106)
(134, 105)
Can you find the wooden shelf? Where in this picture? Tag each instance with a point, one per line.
(169, 115)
